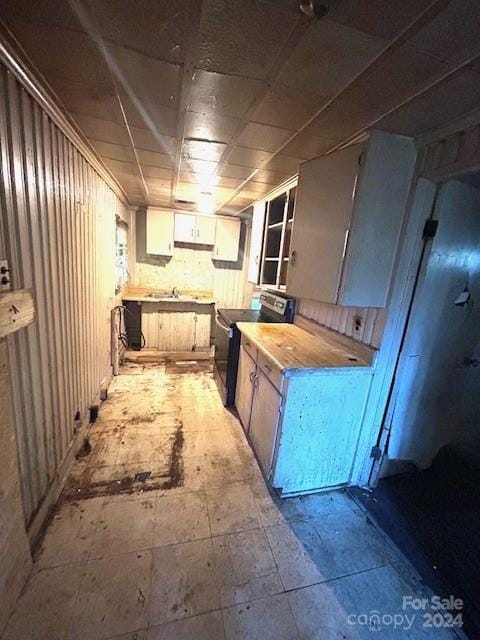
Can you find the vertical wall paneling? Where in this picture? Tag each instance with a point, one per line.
(58, 233)
(341, 319)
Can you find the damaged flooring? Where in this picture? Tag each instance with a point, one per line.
(166, 531)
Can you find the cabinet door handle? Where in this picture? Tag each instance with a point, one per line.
(169, 246)
(252, 376)
(198, 233)
(293, 258)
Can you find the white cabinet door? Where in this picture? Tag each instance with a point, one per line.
(184, 227)
(159, 230)
(244, 390)
(256, 241)
(348, 217)
(227, 240)
(264, 420)
(205, 231)
(322, 218)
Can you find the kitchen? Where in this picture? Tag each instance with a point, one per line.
(217, 261)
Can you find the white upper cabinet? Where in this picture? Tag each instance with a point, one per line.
(227, 239)
(184, 227)
(348, 217)
(256, 241)
(159, 232)
(194, 229)
(205, 230)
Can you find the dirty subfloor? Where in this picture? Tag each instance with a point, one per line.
(166, 530)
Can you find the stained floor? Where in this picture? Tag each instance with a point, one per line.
(166, 530)
(434, 518)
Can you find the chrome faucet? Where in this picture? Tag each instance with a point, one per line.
(175, 292)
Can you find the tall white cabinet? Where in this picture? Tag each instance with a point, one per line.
(348, 216)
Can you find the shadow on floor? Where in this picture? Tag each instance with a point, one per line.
(434, 518)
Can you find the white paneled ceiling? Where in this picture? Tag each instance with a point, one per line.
(228, 97)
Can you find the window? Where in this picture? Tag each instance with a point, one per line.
(121, 255)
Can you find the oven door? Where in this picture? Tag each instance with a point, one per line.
(223, 335)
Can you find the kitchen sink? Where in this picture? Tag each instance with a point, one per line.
(169, 296)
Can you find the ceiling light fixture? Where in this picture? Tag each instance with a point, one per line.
(312, 8)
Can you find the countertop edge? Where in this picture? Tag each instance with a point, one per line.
(364, 369)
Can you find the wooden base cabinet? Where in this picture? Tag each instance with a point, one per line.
(244, 391)
(264, 420)
(303, 429)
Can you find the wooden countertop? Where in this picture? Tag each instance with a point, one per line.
(140, 294)
(290, 347)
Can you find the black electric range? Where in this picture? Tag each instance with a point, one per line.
(274, 308)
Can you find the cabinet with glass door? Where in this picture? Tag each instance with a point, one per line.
(276, 239)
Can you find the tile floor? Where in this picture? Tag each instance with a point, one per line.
(196, 547)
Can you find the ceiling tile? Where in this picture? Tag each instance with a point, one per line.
(306, 145)
(155, 28)
(158, 187)
(155, 159)
(228, 170)
(328, 57)
(144, 78)
(374, 94)
(378, 17)
(210, 126)
(284, 164)
(199, 149)
(230, 210)
(231, 183)
(270, 177)
(191, 165)
(286, 107)
(259, 187)
(453, 34)
(89, 100)
(102, 129)
(152, 141)
(159, 26)
(341, 120)
(440, 105)
(80, 59)
(149, 115)
(214, 93)
(185, 176)
(248, 157)
(113, 151)
(156, 172)
(120, 167)
(252, 35)
(262, 136)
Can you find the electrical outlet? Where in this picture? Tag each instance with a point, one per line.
(5, 283)
(357, 325)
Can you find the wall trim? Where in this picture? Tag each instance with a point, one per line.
(18, 63)
(419, 206)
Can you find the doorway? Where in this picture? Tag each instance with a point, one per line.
(427, 495)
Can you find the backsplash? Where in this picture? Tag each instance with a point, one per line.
(341, 319)
(192, 269)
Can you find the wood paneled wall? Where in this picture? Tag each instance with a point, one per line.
(58, 227)
(342, 319)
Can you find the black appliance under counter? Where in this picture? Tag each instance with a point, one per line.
(274, 308)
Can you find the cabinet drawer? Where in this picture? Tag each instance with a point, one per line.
(271, 370)
(249, 347)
